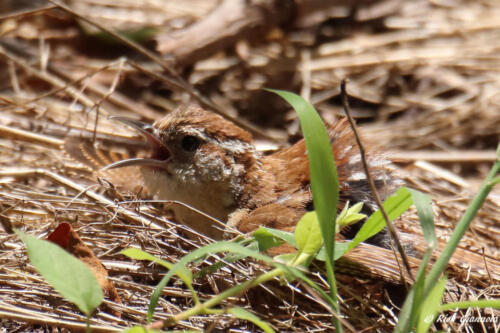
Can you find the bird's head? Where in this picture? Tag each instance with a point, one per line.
(193, 150)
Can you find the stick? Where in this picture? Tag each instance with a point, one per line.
(391, 228)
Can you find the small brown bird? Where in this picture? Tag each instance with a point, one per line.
(209, 163)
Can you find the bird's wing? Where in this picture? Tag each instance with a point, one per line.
(95, 158)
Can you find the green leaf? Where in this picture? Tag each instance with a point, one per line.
(350, 215)
(245, 315)
(308, 234)
(284, 235)
(222, 246)
(287, 258)
(341, 216)
(356, 208)
(426, 216)
(66, 274)
(352, 218)
(137, 254)
(395, 205)
(430, 306)
(424, 209)
(323, 173)
(340, 250)
(266, 239)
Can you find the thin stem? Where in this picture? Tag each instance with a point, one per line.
(333, 292)
(483, 303)
(88, 329)
(206, 307)
(373, 189)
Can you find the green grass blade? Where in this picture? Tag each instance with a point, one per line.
(217, 247)
(480, 303)
(245, 315)
(418, 289)
(441, 263)
(340, 250)
(183, 273)
(323, 173)
(430, 306)
(462, 226)
(230, 258)
(324, 180)
(426, 216)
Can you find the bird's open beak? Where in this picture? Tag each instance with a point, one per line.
(157, 146)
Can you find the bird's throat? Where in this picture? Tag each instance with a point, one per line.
(216, 199)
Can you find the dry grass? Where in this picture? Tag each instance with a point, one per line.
(424, 77)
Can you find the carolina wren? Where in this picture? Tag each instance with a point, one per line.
(209, 163)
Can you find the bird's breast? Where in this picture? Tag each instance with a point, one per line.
(215, 199)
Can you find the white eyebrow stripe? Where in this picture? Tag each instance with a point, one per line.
(357, 176)
(236, 146)
(188, 130)
(231, 145)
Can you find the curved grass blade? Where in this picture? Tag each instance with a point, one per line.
(324, 181)
(182, 272)
(431, 305)
(222, 246)
(245, 315)
(426, 216)
(323, 172)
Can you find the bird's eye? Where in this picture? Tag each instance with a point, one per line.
(190, 143)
